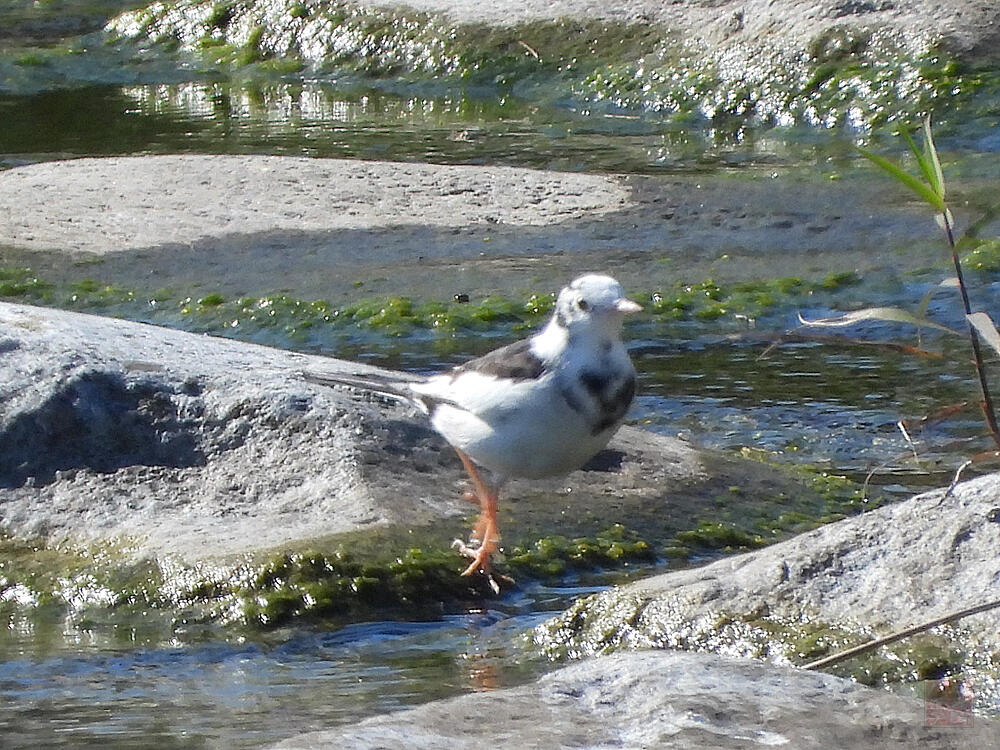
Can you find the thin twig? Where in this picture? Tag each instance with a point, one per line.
(958, 475)
(909, 440)
(988, 411)
(826, 661)
(531, 50)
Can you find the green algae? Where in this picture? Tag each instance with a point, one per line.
(717, 535)
(398, 316)
(21, 282)
(379, 572)
(349, 577)
(77, 580)
(709, 300)
(984, 256)
(316, 585)
(555, 556)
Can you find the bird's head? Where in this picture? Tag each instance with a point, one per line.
(593, 301)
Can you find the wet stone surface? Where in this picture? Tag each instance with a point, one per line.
(822, 591)
(664, 699)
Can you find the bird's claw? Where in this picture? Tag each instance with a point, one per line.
(482, 562)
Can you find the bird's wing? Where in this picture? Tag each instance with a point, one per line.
(494, 383)
(515, 361)
(401, 387)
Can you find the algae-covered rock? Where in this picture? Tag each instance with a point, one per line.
(823, 591)
(667, 700)
(825, 63)
(261, 498)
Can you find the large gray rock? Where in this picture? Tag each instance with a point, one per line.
(128, 203)
(665, 700)
(894, 567)
(198, 446)
(193, 445)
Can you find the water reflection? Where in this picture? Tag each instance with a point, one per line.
(351, 117)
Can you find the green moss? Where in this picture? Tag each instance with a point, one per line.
(251, 51)
(553, 556)
(221, 16)
(719, 536)
(984, 257)
(708, 300)
(32, 59)
(22, 282)
(89, 293)
(312, 584)
(80, 581)
(839, 279)
(212, 300)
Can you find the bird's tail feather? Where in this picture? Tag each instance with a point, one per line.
(392, 386)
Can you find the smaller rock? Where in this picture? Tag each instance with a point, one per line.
(664, 700)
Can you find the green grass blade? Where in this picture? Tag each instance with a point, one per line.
(925, 302)
(924, 163)
(936, 176)
(885, 314)
(921, 189)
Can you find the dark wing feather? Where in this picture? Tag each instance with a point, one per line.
(513, 362)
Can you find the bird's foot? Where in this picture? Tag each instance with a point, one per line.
(482, 562)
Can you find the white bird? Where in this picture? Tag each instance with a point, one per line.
(539, 407)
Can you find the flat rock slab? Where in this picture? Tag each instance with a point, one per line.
(317, 228)
(665, 700)
(888, 569)
(113, 205)
(198, 446)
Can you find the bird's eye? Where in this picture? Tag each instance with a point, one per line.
(583, 304)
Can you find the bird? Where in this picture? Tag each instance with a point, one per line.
(540, 407)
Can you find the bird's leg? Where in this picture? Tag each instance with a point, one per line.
(486, 529)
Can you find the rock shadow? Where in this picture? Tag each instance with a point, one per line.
(99, 421)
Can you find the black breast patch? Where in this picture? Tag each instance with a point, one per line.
(613, 397)
(513, 362)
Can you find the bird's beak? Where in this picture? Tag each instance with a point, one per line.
(627, 306)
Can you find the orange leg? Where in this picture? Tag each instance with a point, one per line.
(486, 529)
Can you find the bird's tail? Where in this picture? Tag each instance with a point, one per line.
(396, 387)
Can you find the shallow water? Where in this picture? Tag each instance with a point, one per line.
(247, 694)
(67, 684)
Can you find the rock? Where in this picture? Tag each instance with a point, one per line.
(818, 592)
(312, 228)
(665, 700)
(739, 27)
(131, 203)
(189, 445)
(192, 445)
